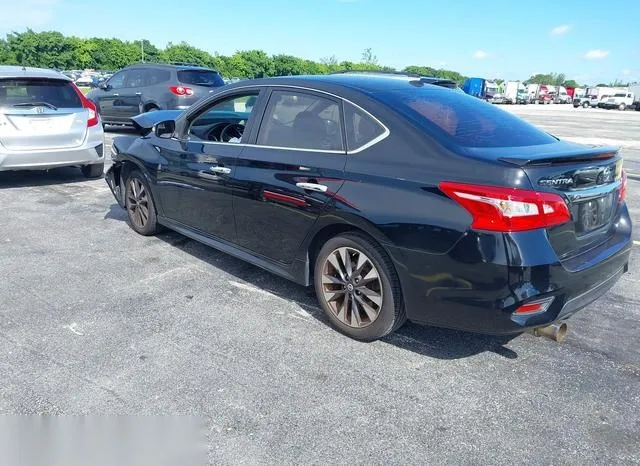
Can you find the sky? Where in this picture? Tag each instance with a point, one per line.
(584, 39)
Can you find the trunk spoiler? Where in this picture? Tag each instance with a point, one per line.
(145, 122)
(542, 154)
(523, 162)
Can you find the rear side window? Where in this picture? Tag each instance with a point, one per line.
(464, 120)
(24, 91)
(361, 128)
(200, 78)
(157, 77)
(301, 121)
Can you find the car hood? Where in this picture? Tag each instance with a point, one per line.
(150, 119)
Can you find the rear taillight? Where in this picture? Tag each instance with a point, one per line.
(90, 106)
(623, 187)
(181, 90)
(496, 208)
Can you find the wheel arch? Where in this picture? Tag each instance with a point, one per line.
(331, 226)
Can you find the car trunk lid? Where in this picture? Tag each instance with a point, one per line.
(589, 179)
(37, 113)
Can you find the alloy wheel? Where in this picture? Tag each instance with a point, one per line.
(352, 287)
(137, 203)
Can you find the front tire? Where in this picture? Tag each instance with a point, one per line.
(586, 105)
(139, 204)
(622, 107)
(358, 287)
(95, 170)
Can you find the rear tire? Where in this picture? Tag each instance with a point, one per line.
(95, 170)
(139, 204)
(585, 105)
(358, 287)
(622, 107)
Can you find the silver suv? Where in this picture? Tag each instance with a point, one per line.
(46, 122)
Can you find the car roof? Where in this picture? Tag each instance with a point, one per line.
(28, 72)
(362, 82)
(171, 66)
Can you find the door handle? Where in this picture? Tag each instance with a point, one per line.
(138, 93)
(221, 170)
(312, 187)
(115, 95)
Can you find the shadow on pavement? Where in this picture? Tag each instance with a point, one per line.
(26, 178)
(428, 341)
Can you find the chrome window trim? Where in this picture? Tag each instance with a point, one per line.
(365, 146)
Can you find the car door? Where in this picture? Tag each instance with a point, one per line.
(128, 100)
(194, 178)
(105, 97)
(291, 170)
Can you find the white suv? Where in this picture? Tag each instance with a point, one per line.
(46, 122)
(620, 100)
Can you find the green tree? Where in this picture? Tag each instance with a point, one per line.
(254, 63)
(186, 53)
(368, 58)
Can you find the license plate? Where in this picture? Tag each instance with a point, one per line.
(594, 213)
(42, 124)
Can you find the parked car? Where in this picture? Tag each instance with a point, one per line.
(620, 100)
(152, 86)
(394, 199)
(46, 122)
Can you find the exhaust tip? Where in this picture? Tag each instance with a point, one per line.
(556, 331)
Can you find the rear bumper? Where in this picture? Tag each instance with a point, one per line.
(485, 277)
(46, 159)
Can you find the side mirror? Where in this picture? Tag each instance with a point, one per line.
(165, 129)
(104, 86)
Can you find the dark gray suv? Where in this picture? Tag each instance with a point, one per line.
(146, 87)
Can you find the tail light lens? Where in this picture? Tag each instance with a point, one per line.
(90, 106)
(501, 209)
(181, 90)
(623, 187)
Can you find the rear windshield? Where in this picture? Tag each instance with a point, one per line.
(24, 91)
(463, 120)
(200, 78)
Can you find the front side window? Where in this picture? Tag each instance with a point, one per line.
(301, 121)
(361, 128)
(117, 80)
(225, 120)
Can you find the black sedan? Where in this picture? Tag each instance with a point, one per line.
(394, 198)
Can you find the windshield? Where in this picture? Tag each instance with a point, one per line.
(24, 91)
(463, 120)
(200, 78)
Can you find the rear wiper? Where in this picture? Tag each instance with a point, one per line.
(36, 104)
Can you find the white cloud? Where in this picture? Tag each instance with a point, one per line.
(26, 13)
(626, 72)
(480, 55)
(560, 30)
(596, 54)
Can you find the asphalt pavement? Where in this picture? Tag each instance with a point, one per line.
(95, 319)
